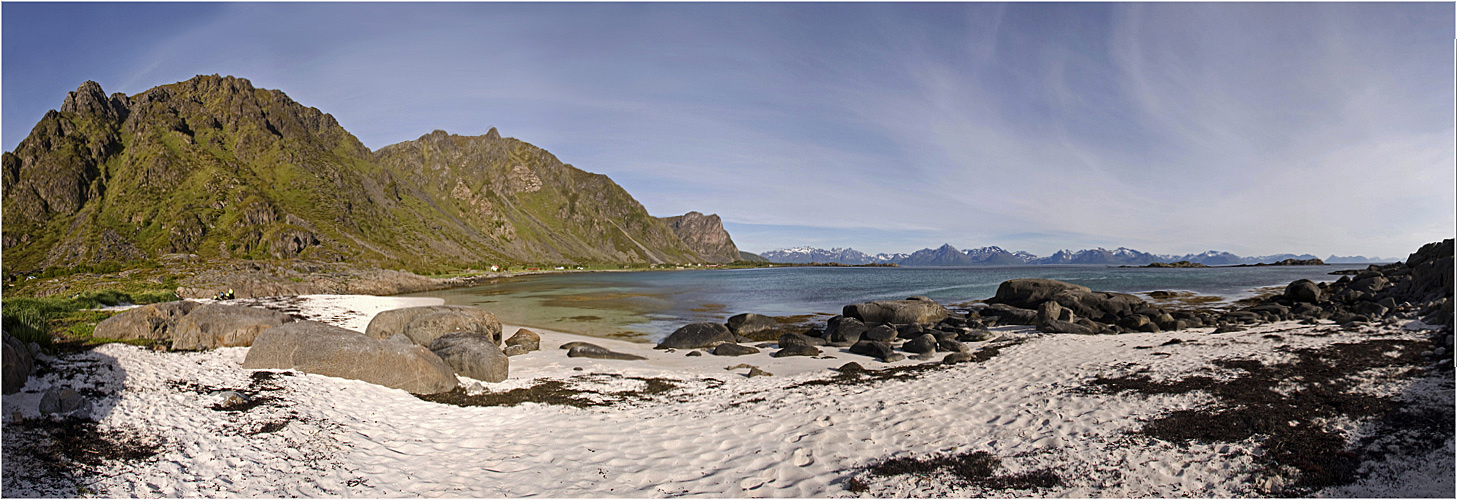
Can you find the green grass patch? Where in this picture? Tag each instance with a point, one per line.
(48, 320)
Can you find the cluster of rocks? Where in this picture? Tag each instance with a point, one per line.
(1058, 307)
(418, 349)
(917, 326)
(1420, 287)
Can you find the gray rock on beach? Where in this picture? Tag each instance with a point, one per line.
(881, 333)
(797, 350)
(1032, 292)
(1303, 291)
(525, 339)
(66, 401)
(471, 355)
(728, 349)
(585, 350)
(790, 339)
(18, 363)
(923, 344)
(697, 336)
(424, 324)
(148, 322)
(843, 331)
(879, 350)
(918, 310)
(747, 323)
(210, 326)
(322, 349)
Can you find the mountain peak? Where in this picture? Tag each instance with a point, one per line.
(90, 100)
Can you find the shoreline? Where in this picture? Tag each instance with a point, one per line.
(679, 425)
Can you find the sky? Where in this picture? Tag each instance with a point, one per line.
(1168, 128)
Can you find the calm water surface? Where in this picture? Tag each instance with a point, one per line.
(649, 305)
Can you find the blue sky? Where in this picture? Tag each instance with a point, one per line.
(1170, 128)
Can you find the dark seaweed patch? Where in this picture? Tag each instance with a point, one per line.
(905, 372)
(1282, 402)
(976, 468)
(561, 392)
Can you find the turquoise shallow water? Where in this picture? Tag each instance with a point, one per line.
(647, 306)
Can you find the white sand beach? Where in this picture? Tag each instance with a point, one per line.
(674, 425)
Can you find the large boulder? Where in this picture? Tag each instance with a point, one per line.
(18, 362)
(918, 310)
(1030, 292)
(1011, 315)
(1098, 305)
(797, 350)
(924, 344)
(148, 322)
(790, 339)
(842, 331)
(422, 325)
(880, 350)
(218, 325)
(1303, 291)
(1052, 311)
(585, 350)
(474, 356)
(881, 333)
(322, 349)
(1058, 326)
(731, 349)
(527, 340)
(749, 323)
(698, 336)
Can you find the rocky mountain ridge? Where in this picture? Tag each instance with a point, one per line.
(947, 255)
(215, 167)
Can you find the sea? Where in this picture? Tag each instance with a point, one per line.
(646, 306)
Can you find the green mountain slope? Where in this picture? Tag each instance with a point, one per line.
(216, 167)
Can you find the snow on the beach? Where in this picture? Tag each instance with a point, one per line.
(715, 433)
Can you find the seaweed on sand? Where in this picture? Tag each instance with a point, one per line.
(1286, 403)
(56, 457)
(563, 393)
(905, 372)
(977, 468)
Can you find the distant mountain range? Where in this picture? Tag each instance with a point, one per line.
(947, 255)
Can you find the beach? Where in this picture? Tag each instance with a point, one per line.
(678, 425)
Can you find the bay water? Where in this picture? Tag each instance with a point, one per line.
(648, 305)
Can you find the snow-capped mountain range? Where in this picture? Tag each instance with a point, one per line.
(947, 255)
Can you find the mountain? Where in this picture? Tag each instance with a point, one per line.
(1270, 259)
(1117, 257)
(705, 235)
(945, 255)
(806, 255)
(1209, 258)
(890, 258)
(1358, 259)
(217, 167)
(996, 256)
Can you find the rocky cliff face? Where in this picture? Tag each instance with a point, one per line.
(705, 235)
(217, 167)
